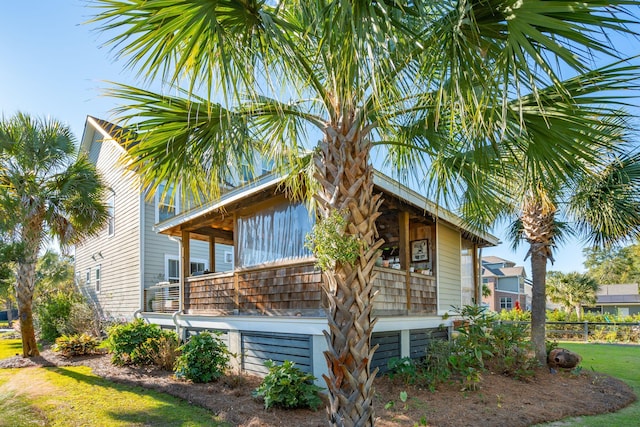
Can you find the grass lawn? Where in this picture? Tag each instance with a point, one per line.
(620, 361)
(74, 396)
(9, 348)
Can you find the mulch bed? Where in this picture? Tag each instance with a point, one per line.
(500, 401)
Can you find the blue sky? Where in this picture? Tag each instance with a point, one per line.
(54, 65)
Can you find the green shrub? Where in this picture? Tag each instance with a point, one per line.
(75, 345)
(203, 358)
(160, 351)
(512, 351)
(52, 312)
(124, 339)
(435, 368)
(286, 386)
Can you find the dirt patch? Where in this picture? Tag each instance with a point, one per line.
(500, 401)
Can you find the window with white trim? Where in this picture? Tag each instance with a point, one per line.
(172, 267)
(197, 267)
(228, 257)
(506, 303)
(87, 279)
(98, 276)
(111, 213)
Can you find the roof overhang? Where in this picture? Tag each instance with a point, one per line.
(383, 182)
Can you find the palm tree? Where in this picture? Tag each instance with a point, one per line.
(600, 203)
(572, 290)
(50, 191)
(411, 80)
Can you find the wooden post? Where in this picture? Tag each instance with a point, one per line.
(212, 254)
(477, 280)
(405, 252)
(185, 263)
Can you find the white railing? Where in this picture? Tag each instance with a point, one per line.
(163, 297)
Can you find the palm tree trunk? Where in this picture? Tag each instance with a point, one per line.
(25, 284)
(538, 218)
(538, 305)
(346, 181)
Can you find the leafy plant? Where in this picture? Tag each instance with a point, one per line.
(52, 312)
(513, 353)
(161, 351)
(124, 339)
(403, 368)
(203, 358)
(331, 244)
(286, 386)
(75, 345)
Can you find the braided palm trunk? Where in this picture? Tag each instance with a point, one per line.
(25, 284)
(346, 180)
(538, 226)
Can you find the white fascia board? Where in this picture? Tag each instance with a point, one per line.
(410, 196)
(275, 324)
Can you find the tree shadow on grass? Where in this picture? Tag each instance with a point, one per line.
(170, 410)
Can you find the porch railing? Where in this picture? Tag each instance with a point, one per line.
(163, 297)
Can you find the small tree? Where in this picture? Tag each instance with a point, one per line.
(49, 190)
(572, 290)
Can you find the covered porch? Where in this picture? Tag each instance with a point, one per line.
(274, 274)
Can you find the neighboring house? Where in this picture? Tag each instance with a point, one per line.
(623, 300)
(127, 257)
(507, 283)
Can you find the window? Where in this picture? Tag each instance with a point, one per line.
(166, 202)
(506, 303)
(228, 257)
(111, 212)
(172, 268)
(172, 272)
(197, 267)
(87, 280)
(273, 234)
(98, 276)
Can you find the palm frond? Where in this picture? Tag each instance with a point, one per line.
(606, 204)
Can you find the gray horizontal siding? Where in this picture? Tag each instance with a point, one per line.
(389, 347)
(117, 255)
(419, 340)
(257, 348)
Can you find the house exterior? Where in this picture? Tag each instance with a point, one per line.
(271, 306)
(243, 268)
(507, 283)
(128, 256)
(620, 299)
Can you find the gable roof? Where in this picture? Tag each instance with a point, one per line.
(495, 260)
(113, 132)
(381, 181)
(487, 271)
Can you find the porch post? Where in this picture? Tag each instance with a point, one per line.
(405, 252)
(212, 254)
(477, 280)
(185, 263)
